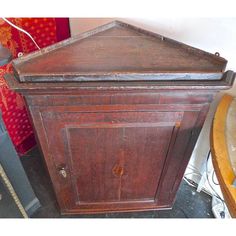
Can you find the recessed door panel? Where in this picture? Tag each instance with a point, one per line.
(110, 157)
(117, 164)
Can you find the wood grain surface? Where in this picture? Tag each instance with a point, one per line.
(118, 51)
(117, 112)
(220, 154)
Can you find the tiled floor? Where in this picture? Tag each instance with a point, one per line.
(189, 203)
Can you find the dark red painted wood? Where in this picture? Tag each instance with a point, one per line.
(99, 143)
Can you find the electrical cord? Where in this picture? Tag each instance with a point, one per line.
(213, 174)
(190, 182)
(194, 172)
(215, 193)
(22, 30)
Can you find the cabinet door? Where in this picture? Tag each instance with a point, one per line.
(109, 160)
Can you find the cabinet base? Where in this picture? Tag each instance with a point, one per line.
(103, 211)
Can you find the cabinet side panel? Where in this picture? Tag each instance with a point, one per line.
(180, 154)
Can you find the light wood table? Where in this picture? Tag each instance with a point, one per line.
(223, 148)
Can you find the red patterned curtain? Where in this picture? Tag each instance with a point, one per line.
(45, 31)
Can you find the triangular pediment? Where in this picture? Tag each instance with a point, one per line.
(117, 51)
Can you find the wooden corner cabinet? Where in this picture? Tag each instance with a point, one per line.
(117, 112)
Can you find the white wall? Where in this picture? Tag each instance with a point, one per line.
(209, 34)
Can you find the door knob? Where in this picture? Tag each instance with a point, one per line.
(62, 172)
